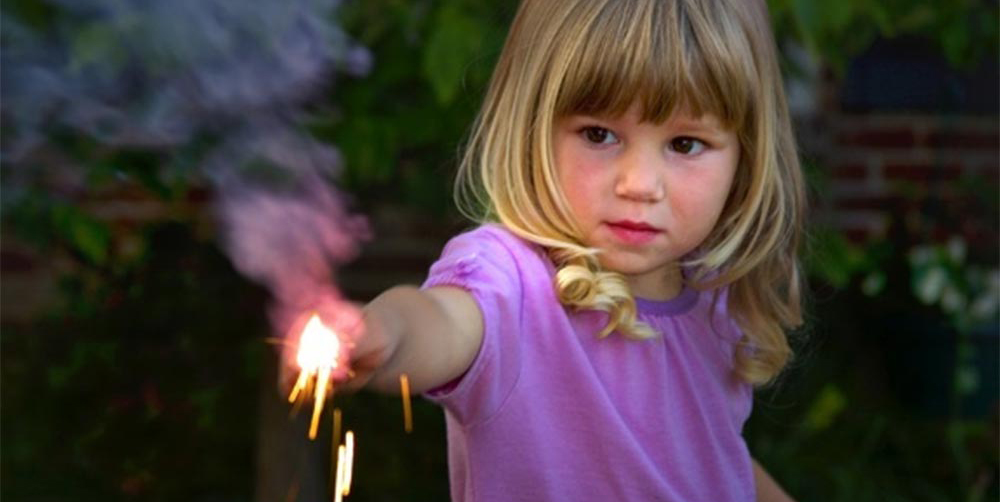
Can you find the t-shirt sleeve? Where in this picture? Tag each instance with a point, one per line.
(483, 263)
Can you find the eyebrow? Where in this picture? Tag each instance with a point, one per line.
(700, 125)
(702, 122)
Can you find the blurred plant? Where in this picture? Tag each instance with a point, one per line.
(965, 31)
(400, 127)
(969, 295)
(837, 261)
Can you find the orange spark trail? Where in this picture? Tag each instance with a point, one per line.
(348, 461)
(338, 487)
(404, 385)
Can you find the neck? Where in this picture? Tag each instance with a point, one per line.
(659, 286)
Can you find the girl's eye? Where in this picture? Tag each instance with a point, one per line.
(599, 135)
(687, 145)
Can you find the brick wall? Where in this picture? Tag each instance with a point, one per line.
(873, 166)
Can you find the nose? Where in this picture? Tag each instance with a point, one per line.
(641, 176)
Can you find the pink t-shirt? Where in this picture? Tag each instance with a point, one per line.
(549, 412)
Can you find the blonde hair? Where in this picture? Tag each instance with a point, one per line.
(563, 57)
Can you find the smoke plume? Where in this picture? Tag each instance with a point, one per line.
(235, 77)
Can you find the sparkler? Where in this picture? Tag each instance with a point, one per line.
(322, 358)
(320, 354)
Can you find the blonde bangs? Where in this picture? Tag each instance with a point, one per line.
(673, 60)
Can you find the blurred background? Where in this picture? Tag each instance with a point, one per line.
(138, 362)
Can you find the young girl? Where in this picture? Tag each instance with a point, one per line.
(598, 336)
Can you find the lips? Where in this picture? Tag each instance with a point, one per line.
(634, 225)
(633, 232)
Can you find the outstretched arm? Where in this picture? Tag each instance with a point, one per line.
(768, 490)
(431, 334)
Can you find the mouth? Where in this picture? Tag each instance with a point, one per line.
(634, 225)
(633, 232)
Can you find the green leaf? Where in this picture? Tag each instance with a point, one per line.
(85, 234)
(95, 43)
(880, 15)
(929, 283)
(370, 149)
(206, 401)
(966, 380)
(955, 42)
(874, 283)
(825, 409)
(835, 260)
(456, 39)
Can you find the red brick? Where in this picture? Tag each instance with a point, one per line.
(879, 138)
(921, 172)
(857, 235)
(14, 261)
(850, 172)
(953, 139)
(870, 203)
(991, 172)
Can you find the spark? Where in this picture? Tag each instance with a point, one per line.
(320, 398)
(336, 425)
(334, 442)
(349, 461)
(404, 385)
(338, 487)
(345, 468)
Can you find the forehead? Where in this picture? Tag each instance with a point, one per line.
(661, 57)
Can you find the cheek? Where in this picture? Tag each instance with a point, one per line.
(580, 190)
(579, 180)
(700, 198)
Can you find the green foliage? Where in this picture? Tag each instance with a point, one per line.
(144, 394)
(965, 31)
(825, 409)
(400, 127)
(454, 42)
(838, 262)
(969, 293)
(837, 428)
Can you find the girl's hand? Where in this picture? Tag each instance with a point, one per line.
(363, 348)
(373, 346)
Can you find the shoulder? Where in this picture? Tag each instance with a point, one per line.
(493, 237)
(492, 244)
(492, 254)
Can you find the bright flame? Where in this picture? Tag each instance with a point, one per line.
(319, 346)
(319, 354)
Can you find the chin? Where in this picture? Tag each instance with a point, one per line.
(630, 263)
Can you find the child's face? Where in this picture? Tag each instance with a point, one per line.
(644, 193)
